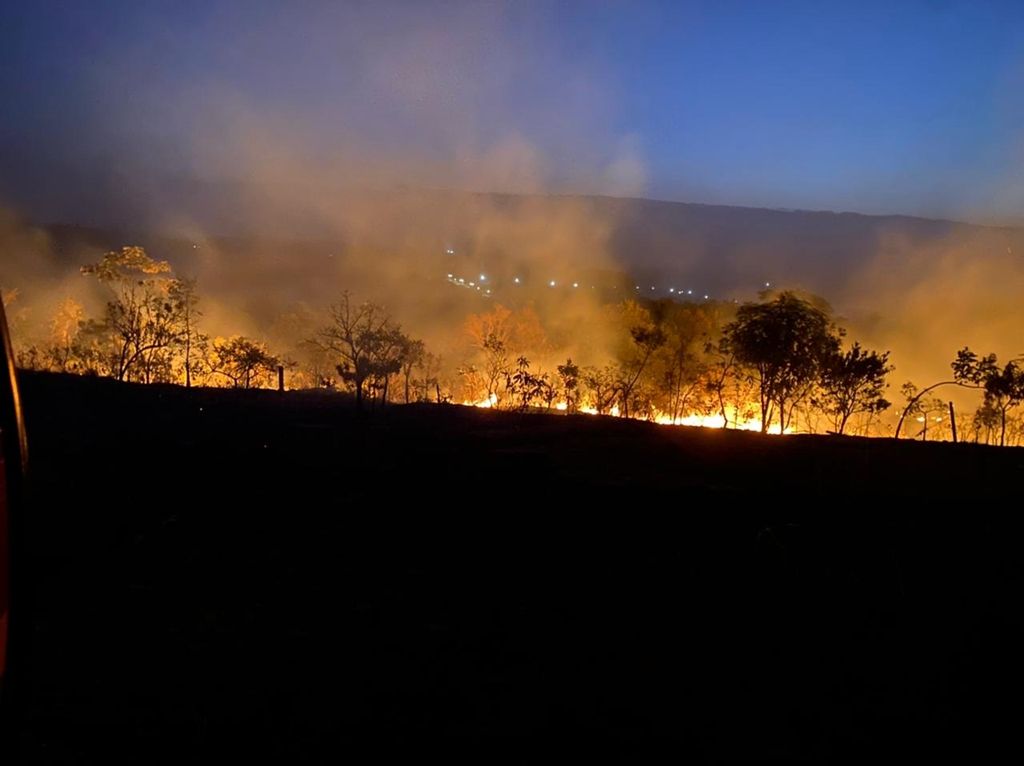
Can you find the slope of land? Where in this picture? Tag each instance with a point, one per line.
(719, 249)
(241, 573)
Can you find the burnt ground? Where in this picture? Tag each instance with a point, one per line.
(212, 574)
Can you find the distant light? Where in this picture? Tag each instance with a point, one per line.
(652, 287)
(575, 284)
(470, 284)
(488, 292)
(671, 289)
(638, 287)
(705, 297)
(767, 284)
(516, 280)
(478, 289)
(689, 292)
(449, 276)
(483, 277)
(461, 280)
(551, 283)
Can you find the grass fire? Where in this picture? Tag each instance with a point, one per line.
(531, 382)
(781, 361)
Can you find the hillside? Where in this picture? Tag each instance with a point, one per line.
(713, 248)
(244, 572)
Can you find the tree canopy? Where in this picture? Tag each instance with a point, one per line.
(785, 343)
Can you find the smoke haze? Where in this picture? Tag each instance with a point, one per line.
(320, 149)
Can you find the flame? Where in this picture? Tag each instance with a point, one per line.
(695, 419)
(700, 420)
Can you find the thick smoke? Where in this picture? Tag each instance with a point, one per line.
(924, 301)
(277, 210)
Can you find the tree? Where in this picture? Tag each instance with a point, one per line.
(646, 341)
(428, 382)
(785, 343)
(853, 382)
(923, 408)
(601, 387)
(1003, 386)
(985, 419)
(413, 354)
(62, 352)
(680, 364)
(140, 323)
(496, 363)
(569, 377)
(499, 337)
(638, 337)
(185, 302)
(363, 337)
(242, 361)
(391, 346)
(523, 386)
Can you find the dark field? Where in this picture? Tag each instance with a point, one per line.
(219, 575)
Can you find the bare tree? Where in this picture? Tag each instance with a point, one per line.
(365, 340)
(185, 302)
(413, 355)
(646, 340)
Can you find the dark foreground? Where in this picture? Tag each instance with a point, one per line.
(219, 575)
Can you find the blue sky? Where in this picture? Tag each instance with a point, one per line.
(903, 107)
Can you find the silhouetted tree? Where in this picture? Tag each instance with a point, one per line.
(569, 379)
(785, 342)
(601, 385)
(1003, 386)
(412, 356)
(524, 387)
(923, 409)
(362, 336)
(242, 361)
(679, 366)
(853, 382)
(139, 320)
(500, 336)
(392, 344)
(496, 362)
(985, 419)
(185, 303)
(646, 340)
(428, 383)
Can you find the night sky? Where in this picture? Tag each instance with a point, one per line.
(909, 107)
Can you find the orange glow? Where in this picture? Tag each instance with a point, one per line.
(694, 420)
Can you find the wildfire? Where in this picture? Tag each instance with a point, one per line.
(696, 419)
(487, 403)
